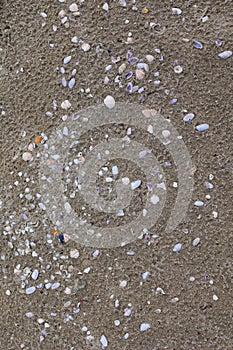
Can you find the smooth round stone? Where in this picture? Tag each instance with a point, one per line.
(55, 285)
(67, 59)
(27, 156)
(225, 54)
(197, 45)
(109, 102)
(198, 203)
(30, 290)
(196, 241)
(202, 127)
(188, 117)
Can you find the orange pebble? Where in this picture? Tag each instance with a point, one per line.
(38, 139)
(145, 10)
(55, 233)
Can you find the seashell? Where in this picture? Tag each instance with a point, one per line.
(121, 68)
(74, 254)
(140, 74)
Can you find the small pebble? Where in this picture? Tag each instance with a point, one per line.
(198, 203)
(67, 59)
(65, 105)
(71, 83)
(73, 7)
(177, 248)
(135, 184)
(196, 241)
(35, 274)
(176, 11)
(105, 7)
(85, 47)
(104, 341)
(188, 117)
(109, 102)
(74, 254)
(202, 127)
(178, 69)
(27, 156)
(197, 45)
(225, 54)
(215, 297)
(55, 285)
(144, 327)
(123, 284)
(30, 290)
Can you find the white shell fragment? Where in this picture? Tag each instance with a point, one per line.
(225, 54)
(202, 127)
(109, 102)
(144, 327)
(74, 253)
(105, 7)
(104, 341)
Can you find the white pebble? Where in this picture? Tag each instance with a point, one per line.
(109, 102)
(117, 322)
(176, 11)
(196, 241)
(115, 170)
(65, 105)
(123, 284)
(215, 297)
(74, 40)
(73, 7)
(177, 248)
(125, 180)
(74, 253)
(178, 69)
(30, 290)
(188, 117)
(135, 184)
(71, 83)
(55, 285)
(67, 59)
(85, 47)
(104, 341)
(144, 327)
(154, 199)
(150, 58)
(202, 127)
(127, 312)
(27, 156)
(198, 203)
(105, 6)
(225, 54)
(35, 274)
(145, 275)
